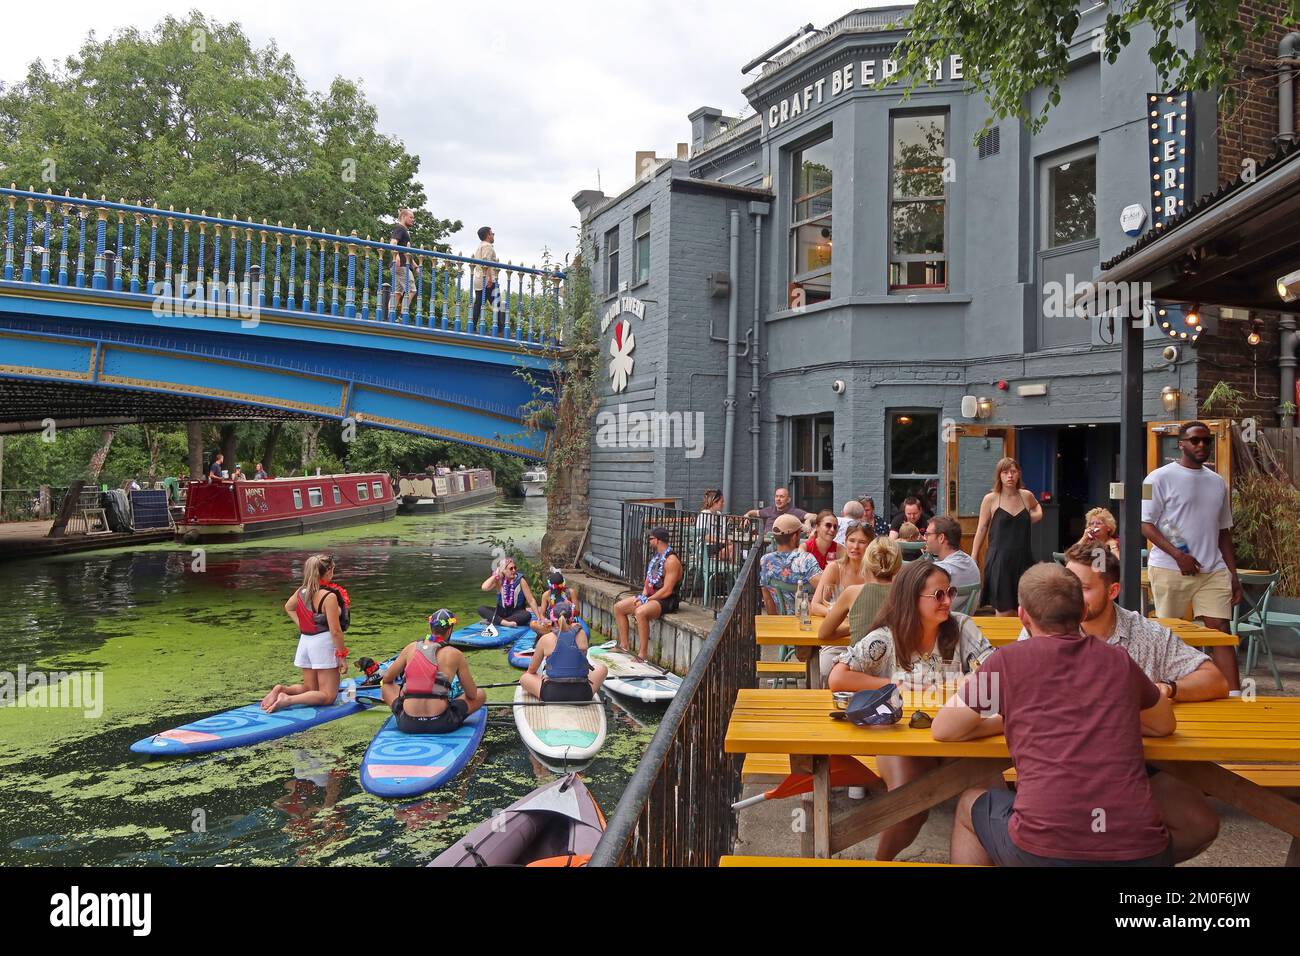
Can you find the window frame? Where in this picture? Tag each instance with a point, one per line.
(297, 499)
(338, 495)
(921, 477)
(316, 497)
(639, 237)
(377, 490)
(824, 136)
(612, 261)
(363, 492)
(819, 473)
(945, 199)
(1046, 163)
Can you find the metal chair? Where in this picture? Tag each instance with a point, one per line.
(967, 599)
(1250, 620)
(1058, 557)
(911, 549)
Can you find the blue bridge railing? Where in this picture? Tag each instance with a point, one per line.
(213, 265)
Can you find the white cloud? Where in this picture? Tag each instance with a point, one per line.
(512, 107)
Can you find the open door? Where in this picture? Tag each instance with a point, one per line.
(1162, 446)
(973, 452)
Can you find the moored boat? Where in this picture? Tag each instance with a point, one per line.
(237, 510)
(534, 483)
(446, 491)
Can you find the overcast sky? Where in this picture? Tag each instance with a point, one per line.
(511, 106)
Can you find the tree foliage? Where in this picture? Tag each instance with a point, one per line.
(192, 115)
(1012, 47)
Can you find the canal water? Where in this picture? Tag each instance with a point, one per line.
(175, 644)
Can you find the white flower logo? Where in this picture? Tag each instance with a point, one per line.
(620, 351)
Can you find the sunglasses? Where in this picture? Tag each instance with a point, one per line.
(948, 594)
(920, 720)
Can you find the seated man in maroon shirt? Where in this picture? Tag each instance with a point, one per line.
(1074, 711)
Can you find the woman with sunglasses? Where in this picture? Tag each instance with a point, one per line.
(848, 570)
(320, 609)
(515, 605)
(822, 544)
(917, 626)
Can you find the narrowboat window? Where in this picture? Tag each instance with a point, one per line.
(377, 488)
(315, 498)
(363, 493)
(297, 499)
(338, 495)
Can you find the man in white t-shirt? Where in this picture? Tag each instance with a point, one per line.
(943, 541)
(485, 279)
(1188, 520)
(851, 512)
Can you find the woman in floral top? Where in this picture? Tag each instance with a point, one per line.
(916, 626)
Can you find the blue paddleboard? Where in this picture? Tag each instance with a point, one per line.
(407, 765)
(252, 725)
(473, 636)
(520, 653)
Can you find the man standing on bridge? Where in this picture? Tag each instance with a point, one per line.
(485, 277)
(403, 263)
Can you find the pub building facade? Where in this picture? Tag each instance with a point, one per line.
(894, 279)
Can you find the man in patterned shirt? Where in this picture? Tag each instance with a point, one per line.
(1181, 673)
(786, 565)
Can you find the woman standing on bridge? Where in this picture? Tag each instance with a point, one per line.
(320, 609)
(515, 602)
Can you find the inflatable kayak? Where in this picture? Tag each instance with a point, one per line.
(520, 653)
(555, 825)
(252, 725)
(474, 637)
(631, 677)
(561, 735)
(397, 764)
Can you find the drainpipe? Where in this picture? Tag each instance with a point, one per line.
(758, 210)
(600, 565)
(733, 322)
(1287, 53)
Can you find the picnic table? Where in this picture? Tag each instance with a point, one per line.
(783, 631)
(797, 722)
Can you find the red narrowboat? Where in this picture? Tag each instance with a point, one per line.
(236, 510)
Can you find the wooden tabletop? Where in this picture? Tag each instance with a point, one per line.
(773, 629)
(798, 722)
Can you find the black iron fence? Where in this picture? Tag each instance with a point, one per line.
(676, 810)
(712, 548)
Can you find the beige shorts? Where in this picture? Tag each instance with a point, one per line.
(1203, 595)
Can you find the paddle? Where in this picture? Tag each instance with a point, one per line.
(513, 683)
(547, 703)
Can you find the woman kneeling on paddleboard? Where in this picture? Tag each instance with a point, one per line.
(320, 609)
(556, 592)
(423, 705)
(515, 605)
(569, 677)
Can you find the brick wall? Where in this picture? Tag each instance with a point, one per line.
(1247, 131)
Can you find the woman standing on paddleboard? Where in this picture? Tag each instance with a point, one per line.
(320, 609)
(424, 703)
(515, 602)
(569, 677)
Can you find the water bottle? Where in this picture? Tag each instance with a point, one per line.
(350, 691)
(803, 608)
(1175, 536)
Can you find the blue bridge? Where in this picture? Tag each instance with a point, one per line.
(112, 313)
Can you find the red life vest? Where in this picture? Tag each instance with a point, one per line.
(422, 677)
(313, 622)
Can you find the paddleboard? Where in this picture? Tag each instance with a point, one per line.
(623, 676)
(560, 734)
(252, 725)
(555, 825)
(520, 652)
(397, 764)
(474, 638)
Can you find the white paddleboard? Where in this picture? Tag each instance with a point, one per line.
(560, 734)
(630, 677)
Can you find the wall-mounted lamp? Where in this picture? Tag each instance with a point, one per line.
(1288, 287)
(1170, 397)
(1255, 332)
(983, 407)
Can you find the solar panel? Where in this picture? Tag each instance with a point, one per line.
(149, 510)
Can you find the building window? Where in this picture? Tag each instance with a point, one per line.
(641, 234)
(611, 261)
(315, 498)
(297, 499)
(1072, 201)
(810, 224)
(338, 495)
(917, 217)
(913, 459)
(363, 493)
(812, 461)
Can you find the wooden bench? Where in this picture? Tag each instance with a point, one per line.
(773, 768)
(791, 861)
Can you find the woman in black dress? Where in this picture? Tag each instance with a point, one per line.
(1006, 515)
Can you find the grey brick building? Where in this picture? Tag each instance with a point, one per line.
(889, 266)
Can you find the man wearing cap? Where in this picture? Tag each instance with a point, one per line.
(658, 595)
(424, 703)
(787, 565)
(781, 506)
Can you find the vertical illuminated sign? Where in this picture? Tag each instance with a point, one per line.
(1169, 124)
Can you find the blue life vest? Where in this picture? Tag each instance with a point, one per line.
(567, 662)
